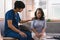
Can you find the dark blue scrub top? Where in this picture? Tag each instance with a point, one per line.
(10, 15)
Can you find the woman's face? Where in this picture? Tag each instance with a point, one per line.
(38, 14)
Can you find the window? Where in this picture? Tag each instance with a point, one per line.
(5, 5)
(54, 9)
(1, 8)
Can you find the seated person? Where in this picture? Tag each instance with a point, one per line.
(38, 24)
(11, 23)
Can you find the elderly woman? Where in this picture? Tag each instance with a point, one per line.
(38, 25)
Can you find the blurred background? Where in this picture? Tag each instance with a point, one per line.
(51, 10)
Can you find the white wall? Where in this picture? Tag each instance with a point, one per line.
(53, 9)
(8, 5)
(5, 5)
(36, 4)
(1, 8)
(52, 12)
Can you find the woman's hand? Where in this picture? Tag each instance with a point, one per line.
(41, 34)
(22, 34)
(37, 35)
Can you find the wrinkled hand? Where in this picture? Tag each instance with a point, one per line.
(22, 34)
(37, 35)
(41, 34)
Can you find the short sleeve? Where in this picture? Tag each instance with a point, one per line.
(45, 25)
(32, 24)
(9, 16)
(19, 18)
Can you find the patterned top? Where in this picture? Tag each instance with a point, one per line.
(38, 25)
